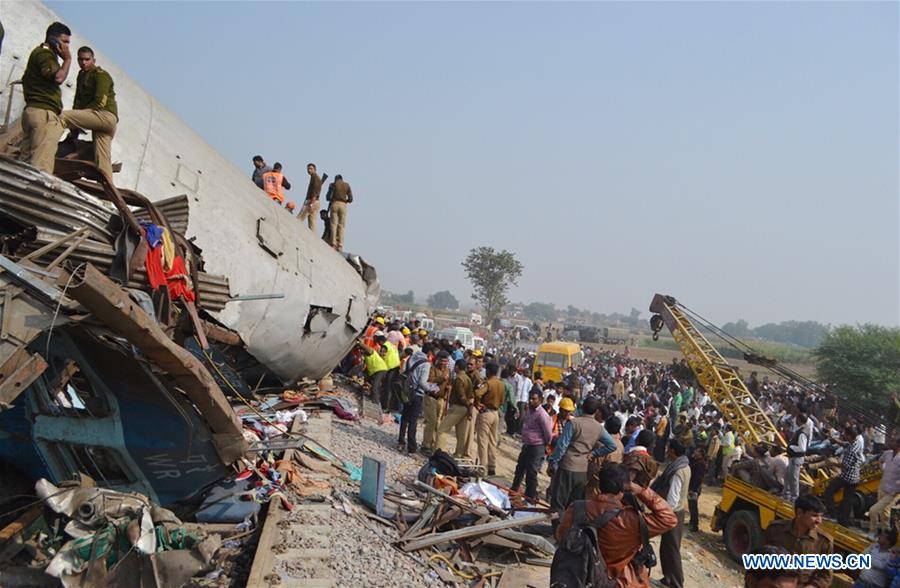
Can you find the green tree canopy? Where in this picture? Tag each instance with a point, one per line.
(540, 311)
(492, 273)
(443, 300)
(393, 298)
(861, 363)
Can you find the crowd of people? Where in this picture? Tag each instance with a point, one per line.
(626, 434)
(339, 194)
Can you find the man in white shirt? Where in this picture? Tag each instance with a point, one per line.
(778, 463)
(796, 456)
(703, 399)
(673, 484)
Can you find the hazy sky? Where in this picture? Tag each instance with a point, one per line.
(742, 157)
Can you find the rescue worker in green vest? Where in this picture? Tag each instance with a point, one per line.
(43, 98)
(94, 108)
(392, 362)
(376, 370)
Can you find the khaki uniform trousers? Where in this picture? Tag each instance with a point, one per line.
(431, 411)
(102, 123)
(487, 427)
(43, 128)
(338, 222)
(310, 212)
(880, 513)
(456, 419)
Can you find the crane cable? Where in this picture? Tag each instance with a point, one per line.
(773, 365)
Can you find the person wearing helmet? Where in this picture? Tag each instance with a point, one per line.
(391, 357)
(576, 446)
(376, 368)
(377, 324)
(406, 333)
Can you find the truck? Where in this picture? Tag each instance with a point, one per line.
(745, 511)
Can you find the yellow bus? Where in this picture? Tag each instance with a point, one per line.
(555, 358)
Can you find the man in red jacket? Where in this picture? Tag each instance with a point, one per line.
(620, 539)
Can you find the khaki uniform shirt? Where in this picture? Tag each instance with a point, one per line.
(781, 533)
(491, 393)
(342, 192)
(441, 377)
(461, 393)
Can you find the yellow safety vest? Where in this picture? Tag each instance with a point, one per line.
(374, 364)
(391, 356)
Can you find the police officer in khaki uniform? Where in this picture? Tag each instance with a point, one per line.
(489, 397)
(94, 108)
(43, 98)
(460, 412)
(434, 402)
(476, 374)
(341, 196)
(801, 535)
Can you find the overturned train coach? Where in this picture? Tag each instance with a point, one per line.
(134, 312)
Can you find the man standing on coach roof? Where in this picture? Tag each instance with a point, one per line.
(259, 168)
(310, 208)
(41, 83)
(94, 108)
(341, 196)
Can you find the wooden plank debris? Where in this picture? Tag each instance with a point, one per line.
(474, 531)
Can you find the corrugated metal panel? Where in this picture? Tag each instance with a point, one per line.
(176, 210)
(27, 197)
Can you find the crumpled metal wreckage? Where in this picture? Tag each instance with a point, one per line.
(117, 539)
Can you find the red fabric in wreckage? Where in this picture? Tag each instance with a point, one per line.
(178, 280)
(153, 264)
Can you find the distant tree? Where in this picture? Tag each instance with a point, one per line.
(443, 300)
(803, 333)
(540, 311)
(394, 298)
(634, 317)
(492, 273)
(738, 329)
(861, 363)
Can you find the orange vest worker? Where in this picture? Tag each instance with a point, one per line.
(272, 185)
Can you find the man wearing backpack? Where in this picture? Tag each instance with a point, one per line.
(621, 545)
(414, 389)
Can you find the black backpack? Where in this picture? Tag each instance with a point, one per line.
(578, 562)
(404, 385)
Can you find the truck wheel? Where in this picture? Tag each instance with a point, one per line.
(742, 533)
(858, 505)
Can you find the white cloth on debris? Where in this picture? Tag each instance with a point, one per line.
(487, 493)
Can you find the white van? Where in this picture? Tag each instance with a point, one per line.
(475, 319)
(462, 334)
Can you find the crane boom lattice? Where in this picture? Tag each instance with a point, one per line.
(720, 380)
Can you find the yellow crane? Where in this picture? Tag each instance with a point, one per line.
(721, 380)
(734, 400)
